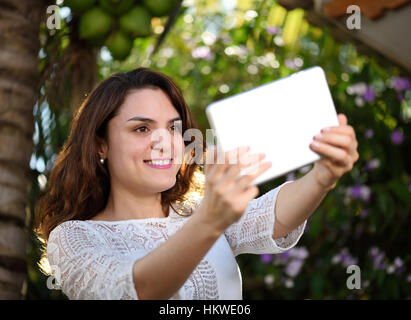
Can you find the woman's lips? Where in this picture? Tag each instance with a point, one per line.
(159, 166)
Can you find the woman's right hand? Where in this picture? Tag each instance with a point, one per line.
(226, 194)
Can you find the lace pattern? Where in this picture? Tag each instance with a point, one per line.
(94, 259)
(202, 284)
(84, 266)
(253, 233)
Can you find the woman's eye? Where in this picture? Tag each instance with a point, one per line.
(139, 129)
(144, 128)
(178, 128)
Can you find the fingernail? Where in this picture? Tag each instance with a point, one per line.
(326, 129)
(315, 144)
(318, 136)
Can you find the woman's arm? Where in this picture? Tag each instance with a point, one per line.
(296, 202)
(161, 273)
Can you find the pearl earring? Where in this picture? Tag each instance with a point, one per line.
(101, 160)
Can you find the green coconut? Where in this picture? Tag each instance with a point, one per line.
(119, 45)
(116, 7)
(159, 8)
(94, 24)
(79, 6)
(137, 22)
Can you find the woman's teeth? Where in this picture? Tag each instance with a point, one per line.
(159, 162)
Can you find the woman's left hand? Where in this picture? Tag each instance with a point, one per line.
(338, 146)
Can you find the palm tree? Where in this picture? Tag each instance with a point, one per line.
(27, 80)
(19, 51)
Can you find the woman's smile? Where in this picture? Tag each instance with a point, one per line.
(159, 163)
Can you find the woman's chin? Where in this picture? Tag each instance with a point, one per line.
(161, 186)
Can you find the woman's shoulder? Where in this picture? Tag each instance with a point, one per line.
(70, 226)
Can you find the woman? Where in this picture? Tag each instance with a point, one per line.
(120, 224)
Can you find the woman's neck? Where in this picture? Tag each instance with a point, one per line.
(123, 205)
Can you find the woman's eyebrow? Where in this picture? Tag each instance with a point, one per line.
(151, 120)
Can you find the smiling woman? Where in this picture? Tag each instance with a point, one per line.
(105, 152)
(124, 216)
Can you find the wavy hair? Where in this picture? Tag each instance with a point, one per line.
(79, 185)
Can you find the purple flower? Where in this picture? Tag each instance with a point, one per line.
(359, 89)
(285, 255)
(401, 84)
(369, 95)
(400, 269)
(397, 137)
(365, 193)
(399, 265)
(356, 191)
(400, 96)
(294, 267)
(289, 63)
(377, 257)
(291, 176)
(299, 253)
(273, 30)
(348, 261)
(203, 52)
(398, 262)
(266, 258)
(362, 192)
(344, 257)
(372, 164)
(373, 252)
(379, 263)
(369, 133)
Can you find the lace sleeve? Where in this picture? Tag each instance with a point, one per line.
(253, 233)
(84, 268)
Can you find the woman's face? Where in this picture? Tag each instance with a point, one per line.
(147, 127)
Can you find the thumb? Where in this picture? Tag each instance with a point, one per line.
(342, 119)
(210, 158)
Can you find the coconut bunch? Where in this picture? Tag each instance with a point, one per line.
(116, 23)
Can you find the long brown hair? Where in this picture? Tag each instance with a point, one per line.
(79, 185)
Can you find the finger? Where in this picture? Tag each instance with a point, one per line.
(337, 139)
(210, 158)
(250, 193)
(245, 180)
(348, 130)
(342, 119)
(216, 163)
(233, 170)
(336, 154)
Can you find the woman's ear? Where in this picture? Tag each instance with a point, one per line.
(102, 148)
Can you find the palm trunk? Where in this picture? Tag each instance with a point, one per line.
(19, 47)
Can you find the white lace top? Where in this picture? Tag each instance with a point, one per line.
(94, 259)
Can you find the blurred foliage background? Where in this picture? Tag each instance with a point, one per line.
(218, 48)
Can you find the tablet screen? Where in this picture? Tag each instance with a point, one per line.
(279, 118)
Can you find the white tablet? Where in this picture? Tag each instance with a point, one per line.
(279, 119)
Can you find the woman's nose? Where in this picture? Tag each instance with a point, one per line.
(161, 140)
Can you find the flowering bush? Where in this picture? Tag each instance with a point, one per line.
(215, 51)
(365, 220)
